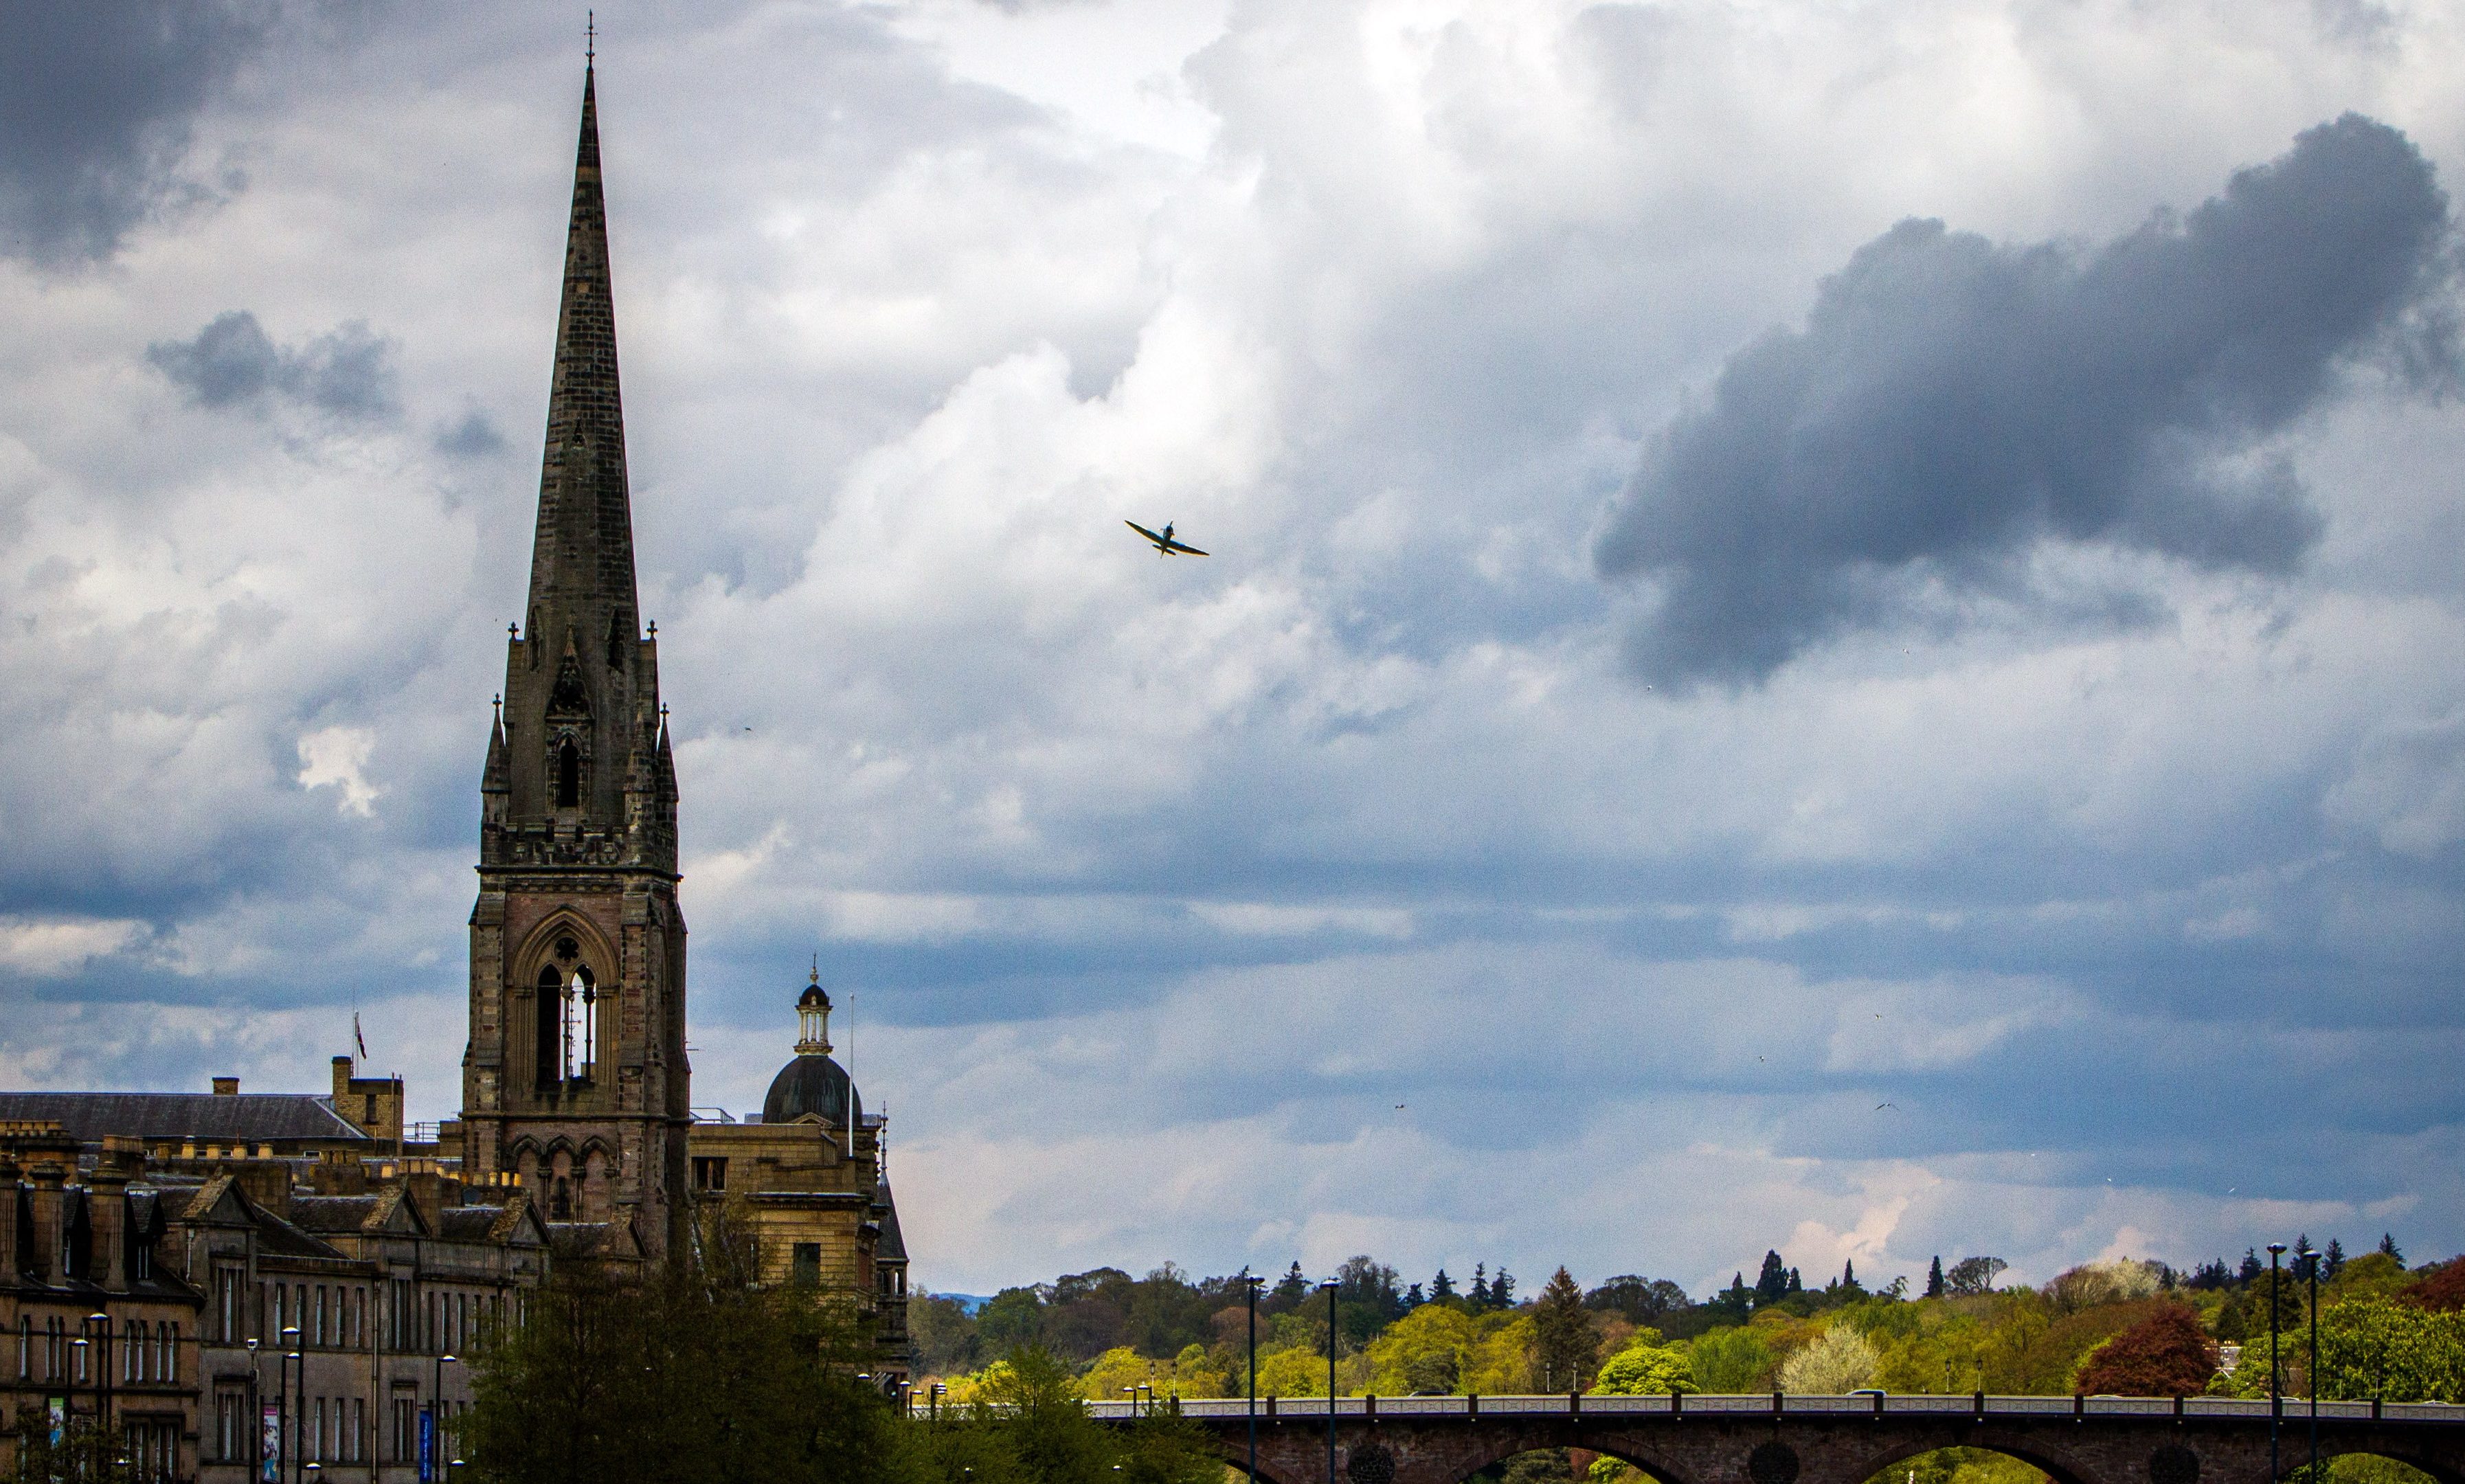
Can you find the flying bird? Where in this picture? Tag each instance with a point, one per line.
(1880, 1106)
(1164, 544)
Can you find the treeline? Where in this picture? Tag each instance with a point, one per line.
(2142, 1327)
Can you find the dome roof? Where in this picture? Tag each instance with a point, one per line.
(811, 1085)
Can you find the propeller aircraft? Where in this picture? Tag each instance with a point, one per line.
(1164, 544)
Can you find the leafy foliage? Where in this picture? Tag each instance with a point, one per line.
(1841, 1360)
(1646, 1369)
(2166, 1354)
(700, 1377)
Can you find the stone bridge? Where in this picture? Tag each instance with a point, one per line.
(1819, 1440)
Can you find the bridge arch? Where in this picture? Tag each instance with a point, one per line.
(2297, 1457)
(2054, 1463)
(1654, 1465)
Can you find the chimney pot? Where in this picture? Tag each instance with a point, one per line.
(225, 1087)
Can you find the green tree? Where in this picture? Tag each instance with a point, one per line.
(1013, 1319)
(2396, 1352)
(1728, 1361)
(1645, 1367)
(1934, 1279)
(944, 1333)
(1423, 1353)
(1771, 1285)
(695, 1377)
(1973, 1274)
(1567, 1345)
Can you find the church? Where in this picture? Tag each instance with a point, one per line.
(157, 1248)
(575, 1082)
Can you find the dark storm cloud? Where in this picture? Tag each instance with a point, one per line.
(1952, 403)
(233, 362)
(94, 107)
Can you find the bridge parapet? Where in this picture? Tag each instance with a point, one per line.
(1783, 1439)
(1976, 1405)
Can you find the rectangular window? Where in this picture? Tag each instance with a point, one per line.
(25, 1349)
(710, 1173)
(316, 1437)
(807, 1264)
(359, 1429)
(321, 1314)
(171, 1354)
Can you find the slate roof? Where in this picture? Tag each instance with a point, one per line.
(889, 1247)
(332, 1212)
(203, 1118)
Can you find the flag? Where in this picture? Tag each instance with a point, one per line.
(358, 1039)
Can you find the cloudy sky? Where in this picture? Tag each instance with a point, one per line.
(1833, 627)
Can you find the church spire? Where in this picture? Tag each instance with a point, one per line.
(581, 557)
(583, 752)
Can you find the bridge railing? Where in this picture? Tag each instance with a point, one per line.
(1400, 1409)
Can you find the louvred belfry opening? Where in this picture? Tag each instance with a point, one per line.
(576, 1058)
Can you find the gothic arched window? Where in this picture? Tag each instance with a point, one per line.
(569, 775)
(548, 1021)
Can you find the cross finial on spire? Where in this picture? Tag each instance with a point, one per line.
(817, 969)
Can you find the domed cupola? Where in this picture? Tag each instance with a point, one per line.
(811, 1085)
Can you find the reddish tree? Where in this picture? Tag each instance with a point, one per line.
(2442, 1288)
(2166, 1354)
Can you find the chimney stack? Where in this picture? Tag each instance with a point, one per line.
(225, 1087)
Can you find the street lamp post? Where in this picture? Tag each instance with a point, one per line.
(2275, 1391)
(83, 1345)
(1251, 1283)
(286, 1444)
(2311, 1375)
(255, 1419)
(434, 1450)
(102, 1379)
(1329, 1287)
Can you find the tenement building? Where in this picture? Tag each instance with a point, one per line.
(224, 1284)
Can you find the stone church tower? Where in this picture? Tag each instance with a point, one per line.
(575, 1075)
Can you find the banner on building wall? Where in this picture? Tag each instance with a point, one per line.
(60, 1413)
(428, 1446)
(270, 1445)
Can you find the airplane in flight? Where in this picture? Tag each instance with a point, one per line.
(1164, 544)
